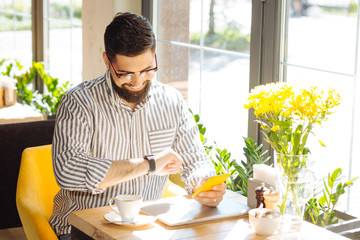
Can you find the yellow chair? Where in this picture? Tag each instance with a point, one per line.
(35, 192)
(37, 187)
(175, 186)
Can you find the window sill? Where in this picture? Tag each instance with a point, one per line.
(19, 113)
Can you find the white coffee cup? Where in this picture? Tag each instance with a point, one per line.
(128, 206)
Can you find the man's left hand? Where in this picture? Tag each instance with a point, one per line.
(213, 197)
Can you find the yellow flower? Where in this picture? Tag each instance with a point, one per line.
(275, 128)
(269, 99)
(279, 106)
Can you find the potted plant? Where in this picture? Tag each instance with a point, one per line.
(46, 102)
(221, 158)
(320, 209)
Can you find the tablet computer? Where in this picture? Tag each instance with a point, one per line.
(181, 210)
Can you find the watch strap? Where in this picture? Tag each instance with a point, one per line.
(151, 161)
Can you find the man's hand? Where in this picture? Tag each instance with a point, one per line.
(168, 162)
(210, 198)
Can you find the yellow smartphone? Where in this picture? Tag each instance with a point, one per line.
(212, 181)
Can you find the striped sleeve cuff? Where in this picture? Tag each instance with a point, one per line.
(95, 173)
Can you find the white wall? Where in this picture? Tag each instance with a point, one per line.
(96, 15)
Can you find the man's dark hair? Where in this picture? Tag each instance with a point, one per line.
(128, 34)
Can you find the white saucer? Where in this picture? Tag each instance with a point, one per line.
(141, 220)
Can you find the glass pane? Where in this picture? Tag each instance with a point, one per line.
(337, 131)
(16, 40)
(179, 67)
(7, 5)
(76, 5)
(59, 52)
(317, 30)
(22, 22)
(195, 21)
(6, 22)
(76, 53)
(15, 31)
(227, 24)
(23, 6)
(23, 42)
(214, 80)
(224, 88)
(6, 35)
(59, 9)
(322, 35)
(63, 52)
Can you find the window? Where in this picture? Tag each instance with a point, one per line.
(203, 50)
(322, 49)
(61, 32)
(15, 31)
(63, 39)
(303, 42)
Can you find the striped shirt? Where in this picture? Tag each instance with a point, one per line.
(95, 127)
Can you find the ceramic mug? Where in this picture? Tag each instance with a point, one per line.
(262, 223)
(128, 206)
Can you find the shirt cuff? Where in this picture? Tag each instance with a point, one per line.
(96, 171)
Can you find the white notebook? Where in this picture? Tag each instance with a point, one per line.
(175, 211)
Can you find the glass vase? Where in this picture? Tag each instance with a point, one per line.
(295, 183)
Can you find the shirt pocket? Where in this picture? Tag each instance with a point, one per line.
(161, 139)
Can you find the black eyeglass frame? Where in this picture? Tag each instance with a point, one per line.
(119, 75)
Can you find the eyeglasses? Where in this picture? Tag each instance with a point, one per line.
(131, 75)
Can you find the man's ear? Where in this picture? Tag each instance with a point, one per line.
(106, 60)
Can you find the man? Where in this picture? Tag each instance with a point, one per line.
(124, 132)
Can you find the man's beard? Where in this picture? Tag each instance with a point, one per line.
(131, 96)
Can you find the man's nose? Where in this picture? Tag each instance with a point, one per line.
(136, 81)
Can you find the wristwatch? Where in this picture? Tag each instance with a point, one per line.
(152, 166)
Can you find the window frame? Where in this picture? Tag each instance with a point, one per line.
(264, 54)
(37, 28)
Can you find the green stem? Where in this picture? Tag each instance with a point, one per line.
(328, 208)
(283, 204)
(290, 187)
(296, 201)
(232, 183)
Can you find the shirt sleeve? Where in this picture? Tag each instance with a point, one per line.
(74, 167)
(197, 164)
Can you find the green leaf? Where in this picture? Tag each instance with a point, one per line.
(202, 138)
(334, 197)
(223, 152)
(296, 143)
(227, 157)
(321, 143)
(330, 182)
(197, 118)
(323, 200)
(336, 174)
(281, 124)
(218, 169)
